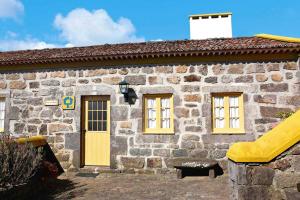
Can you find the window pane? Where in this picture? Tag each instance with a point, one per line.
(90, 117)
(217, 122)
(100, 103)
(165, 123)
(94, 125)
(222, 113)
(104, 127)
(100, 127)
(151, 103)
(231, 112)
(232, 123)
(165, 113)
(104, 107)
(222, 123)
(237, 123)
(90, 126)
(104, 115)
(94, 105)
(217, 101)
(234, 112)
(151, 114)
(94, 115)
(231, 101)
(221, 101)
(100, 115)
(151, 123)
(165, 103)
(217, 112)
(90, 106)
(234, 101)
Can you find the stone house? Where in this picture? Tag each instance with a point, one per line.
(188, 98)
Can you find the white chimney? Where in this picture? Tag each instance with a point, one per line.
(206, 26)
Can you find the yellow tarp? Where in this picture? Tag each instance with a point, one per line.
(270, 145)
(279, 38)
(35, 140)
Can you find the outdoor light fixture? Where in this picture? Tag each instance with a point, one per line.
(124, 87)
(129, 93)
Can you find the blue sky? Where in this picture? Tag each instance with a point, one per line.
(26, 24)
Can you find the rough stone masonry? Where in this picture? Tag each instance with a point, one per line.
(268, 88)
(275, 180)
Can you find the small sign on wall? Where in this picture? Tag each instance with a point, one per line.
(68, 103)
(53, 102)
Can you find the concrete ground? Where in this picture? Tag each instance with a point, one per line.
(136, 186)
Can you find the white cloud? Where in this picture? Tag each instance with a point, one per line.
(10, 8)
(82, 27)
(14, 44)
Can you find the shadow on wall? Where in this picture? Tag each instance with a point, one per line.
(131, 96)
(50, 157)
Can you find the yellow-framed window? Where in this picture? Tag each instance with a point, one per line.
(228, 113)
(158, 114)
(2, 114)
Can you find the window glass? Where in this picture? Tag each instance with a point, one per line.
(97, 115)
(165, 111)
(219, 112)
(151, 113)
(234, 112)
(158, 114)
(228, 113)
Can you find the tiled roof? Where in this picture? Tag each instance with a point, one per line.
(243, 45)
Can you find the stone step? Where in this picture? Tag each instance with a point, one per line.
(96, 169)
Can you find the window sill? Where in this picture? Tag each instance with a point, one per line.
(229, 133)
(158, 133)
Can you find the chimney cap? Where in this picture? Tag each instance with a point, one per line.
(210, 14)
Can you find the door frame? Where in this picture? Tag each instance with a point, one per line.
(82, 126)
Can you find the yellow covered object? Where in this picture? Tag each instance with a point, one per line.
(279, 38)
(270, 145)
(35, 140)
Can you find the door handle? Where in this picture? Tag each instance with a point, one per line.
(83, 131)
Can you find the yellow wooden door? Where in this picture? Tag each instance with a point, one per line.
(97, 130)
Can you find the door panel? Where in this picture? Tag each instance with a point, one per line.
(97, 130)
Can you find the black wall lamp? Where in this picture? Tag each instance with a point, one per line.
(124, 87)
(129, 94)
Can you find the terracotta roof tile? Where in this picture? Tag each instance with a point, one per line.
(141, 50)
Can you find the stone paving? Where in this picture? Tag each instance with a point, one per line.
(133, 186)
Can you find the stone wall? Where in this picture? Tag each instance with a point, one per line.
(271, 181)
(268, 88)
